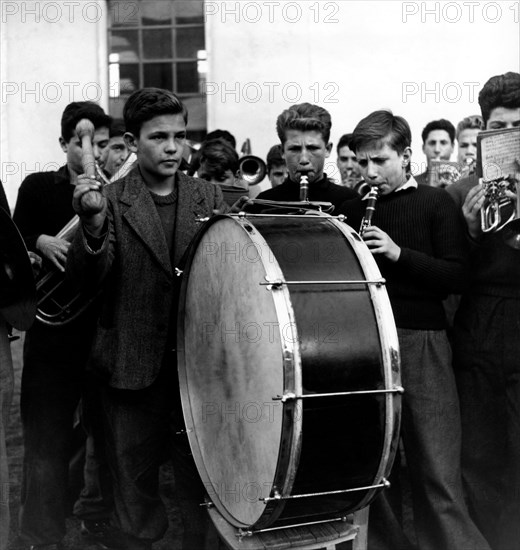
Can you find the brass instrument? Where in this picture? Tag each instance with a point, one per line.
(17, 288)
(58, 300)
(251, 169)
(366, 222)
(500, 212)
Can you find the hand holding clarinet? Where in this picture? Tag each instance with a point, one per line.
(376, 239)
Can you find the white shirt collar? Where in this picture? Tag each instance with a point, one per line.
(410, 183)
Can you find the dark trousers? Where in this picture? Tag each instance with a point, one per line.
(139, 439)
(6, 395)
(431, 435)
(487, 362)
(53, 380)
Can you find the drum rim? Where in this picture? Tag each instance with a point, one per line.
(291, 425)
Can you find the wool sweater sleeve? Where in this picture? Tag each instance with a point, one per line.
(445, 265)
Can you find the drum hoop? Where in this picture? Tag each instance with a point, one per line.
(291, 440)
(390, 353)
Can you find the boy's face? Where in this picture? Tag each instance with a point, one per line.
(438, 145)
(503, 117)
(467, 145)
(305, 154)
(75, 153)
(114, 155)
(382, 167)
(348, 166)
(277, 174)
(159, 146)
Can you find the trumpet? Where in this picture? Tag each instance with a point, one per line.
(500, 212)
(366, 222)
(58, 301)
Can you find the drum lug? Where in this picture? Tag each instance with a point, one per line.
(178, 272)
(289, 396)
(272, 284)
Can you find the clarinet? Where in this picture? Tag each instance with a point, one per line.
(304, 188)
(366, 222)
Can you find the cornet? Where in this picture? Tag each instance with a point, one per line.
(501, 212)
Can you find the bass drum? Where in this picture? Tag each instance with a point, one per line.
(288, 368)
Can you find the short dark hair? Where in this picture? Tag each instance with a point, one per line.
(441, 124)
(499, 91)
(473, 122)
(222, 134)
(344, 141)
(117, 127)
(382, 126)
(78, 110)
(275, 157)
(218, 156)
(304, 117)
(147, 103)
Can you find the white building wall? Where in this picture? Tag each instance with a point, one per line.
(424, 60)
(51, 53)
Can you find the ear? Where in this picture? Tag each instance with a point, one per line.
(131, 141)
(329, 149)
(63, 144)
(407, 157)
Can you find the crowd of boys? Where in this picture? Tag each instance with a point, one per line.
(461, 414)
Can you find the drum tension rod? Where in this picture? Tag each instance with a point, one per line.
(383, 485)
(241, 533)
(292, 396)
(277, 283)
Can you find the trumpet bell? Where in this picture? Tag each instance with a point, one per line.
(252, 169)
(17, 286)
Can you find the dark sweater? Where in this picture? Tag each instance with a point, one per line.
(495, 266)
(323, 190)
(44, 205)
(425, 224)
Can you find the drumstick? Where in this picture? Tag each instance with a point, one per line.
(92, 201)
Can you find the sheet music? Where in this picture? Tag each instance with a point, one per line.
(500, 154)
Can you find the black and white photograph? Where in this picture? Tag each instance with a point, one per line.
(260, 275)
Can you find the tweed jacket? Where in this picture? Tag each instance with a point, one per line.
(134, 268)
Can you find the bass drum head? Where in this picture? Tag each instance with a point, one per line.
(231, 357)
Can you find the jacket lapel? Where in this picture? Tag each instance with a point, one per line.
(143, 218)
(191, 208)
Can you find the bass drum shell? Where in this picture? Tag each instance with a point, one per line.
(245, 339)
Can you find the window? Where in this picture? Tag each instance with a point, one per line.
(158, 43)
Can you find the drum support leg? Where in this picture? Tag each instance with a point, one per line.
(325, 535)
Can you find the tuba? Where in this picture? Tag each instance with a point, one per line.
(17, 288)
(251, 169)
(58, 300)
(500, 212)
